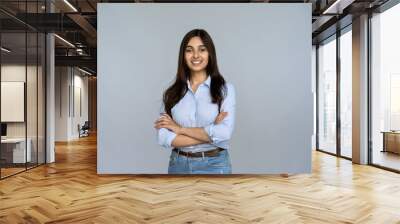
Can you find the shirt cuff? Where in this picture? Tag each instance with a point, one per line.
(169, 139)
(209, 129)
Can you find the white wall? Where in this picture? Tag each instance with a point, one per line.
(69, 84)
(80, 110)
(62, 80)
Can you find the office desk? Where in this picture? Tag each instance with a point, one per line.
(13, 150)
(391, 141)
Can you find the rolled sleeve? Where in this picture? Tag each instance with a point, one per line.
(165, 138)
(221, 133)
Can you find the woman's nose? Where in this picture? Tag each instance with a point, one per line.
(196, 54)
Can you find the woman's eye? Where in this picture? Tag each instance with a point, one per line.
(203, 49)
(188, 50)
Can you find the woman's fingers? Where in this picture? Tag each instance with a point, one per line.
(162, 123)
(224, 114)
(218, 118)
(167, 115)
(221, 116)
(162, 118)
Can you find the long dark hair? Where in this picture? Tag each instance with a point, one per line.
(178, 90)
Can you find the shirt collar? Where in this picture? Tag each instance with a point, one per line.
(207, 82)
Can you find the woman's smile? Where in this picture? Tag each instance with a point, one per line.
(197, 62)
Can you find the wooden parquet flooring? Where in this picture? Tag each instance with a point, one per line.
(70, 191)
(10, 171)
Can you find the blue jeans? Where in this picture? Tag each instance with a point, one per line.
(180, 164)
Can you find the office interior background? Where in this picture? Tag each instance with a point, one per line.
(48, 87)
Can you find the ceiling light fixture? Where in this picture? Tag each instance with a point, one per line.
(337, 7)
(84, 71)
(5, 50)
(79, 51)
(70, 5)
(65, 41)
(329, 9)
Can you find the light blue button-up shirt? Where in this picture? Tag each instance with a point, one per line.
(196, 109)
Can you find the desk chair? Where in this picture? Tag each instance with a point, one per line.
(84, 130)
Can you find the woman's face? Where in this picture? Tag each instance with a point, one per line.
(196, 55)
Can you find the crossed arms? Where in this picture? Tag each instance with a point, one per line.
(171, 135)
(186, 136)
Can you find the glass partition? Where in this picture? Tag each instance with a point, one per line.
(327, 95)
(14, 153)
(22, 101)
(32, 95)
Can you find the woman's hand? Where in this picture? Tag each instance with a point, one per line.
(165, 121)
(221, 116)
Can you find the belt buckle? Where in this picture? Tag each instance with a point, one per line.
(214, 152)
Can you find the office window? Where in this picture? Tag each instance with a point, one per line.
(327, 95)
(346, 92)
(385, 88)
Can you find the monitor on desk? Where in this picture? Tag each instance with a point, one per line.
(3, 130)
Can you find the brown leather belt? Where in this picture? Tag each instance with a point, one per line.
(210, 153)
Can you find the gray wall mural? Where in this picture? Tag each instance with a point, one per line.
(264, 50)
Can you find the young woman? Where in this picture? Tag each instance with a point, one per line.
(198, 111)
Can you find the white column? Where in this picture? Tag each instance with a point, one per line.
(50, 93)
(360, 90)
(50, 110)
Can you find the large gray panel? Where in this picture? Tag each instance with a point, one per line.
(263, 49)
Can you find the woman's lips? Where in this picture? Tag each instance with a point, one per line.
(196, 62)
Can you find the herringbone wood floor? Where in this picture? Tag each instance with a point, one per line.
(70, 191)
